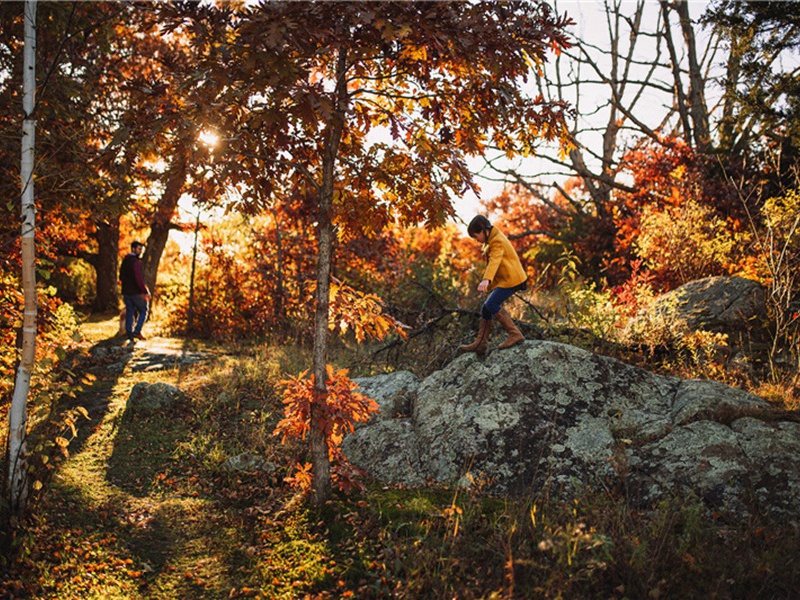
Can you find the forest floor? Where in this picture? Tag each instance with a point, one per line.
(142, 508)
(128, 514)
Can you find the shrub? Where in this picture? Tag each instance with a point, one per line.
(584, 306)
(780, 252)
(686, 242)
(341, 409)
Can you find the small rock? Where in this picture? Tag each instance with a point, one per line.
(248, 462)
(149, 397)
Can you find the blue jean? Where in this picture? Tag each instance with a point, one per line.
(135, 304)
(495, 300)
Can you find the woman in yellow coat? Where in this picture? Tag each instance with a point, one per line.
(504, 276)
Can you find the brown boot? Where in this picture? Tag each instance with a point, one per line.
(479, 345)
(514, 335)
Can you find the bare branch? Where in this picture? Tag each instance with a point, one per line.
(537, 194)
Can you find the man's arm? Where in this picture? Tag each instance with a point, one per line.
(138, 273)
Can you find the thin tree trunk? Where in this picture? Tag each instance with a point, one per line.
(190, 316)
(319, 445)
(279, 300)
(106, 265)
(680, 94)
(165, 210)
(17, 421)
(697, 97)
(732, 71)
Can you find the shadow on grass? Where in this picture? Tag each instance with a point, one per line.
(143, 458)
(184, 527)
(164, 516)
(105, 361)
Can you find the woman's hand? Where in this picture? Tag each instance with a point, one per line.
(483, 285)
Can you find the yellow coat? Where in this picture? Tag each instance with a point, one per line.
(503, 269)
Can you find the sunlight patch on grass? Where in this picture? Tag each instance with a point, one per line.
(293, 567)
(98, 328)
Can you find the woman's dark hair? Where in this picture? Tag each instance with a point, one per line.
(478, 224)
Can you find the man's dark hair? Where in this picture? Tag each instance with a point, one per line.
(478, 224)
(135, 245)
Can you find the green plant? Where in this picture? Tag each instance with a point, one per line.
(687, 241)
(63, 326)
(568, 541)
(585, 307)
(780, 249)
(52, 446)
(703, 349)
(76, 280)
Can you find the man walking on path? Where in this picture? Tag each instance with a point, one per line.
(134, 291)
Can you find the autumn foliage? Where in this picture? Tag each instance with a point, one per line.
(254, 279)
(681, 218)
(684, 218)
(342, 408)
(345, 133)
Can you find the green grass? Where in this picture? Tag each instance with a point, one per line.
(142, 509)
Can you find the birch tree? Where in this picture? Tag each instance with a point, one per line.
(17, 480)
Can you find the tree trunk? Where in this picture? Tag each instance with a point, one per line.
(17, 420)
(319, 444)
(601, 188)
(279, 302)
(733, 72)
(165, 210)
(190, 315)
(680, 94)
(106, 265)
(697, 97)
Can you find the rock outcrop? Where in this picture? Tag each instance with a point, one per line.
(549, 414)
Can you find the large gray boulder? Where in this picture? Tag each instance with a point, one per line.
(717, 304)
(549, 414)
(392, 392)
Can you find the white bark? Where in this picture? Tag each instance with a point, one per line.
(17, 480)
